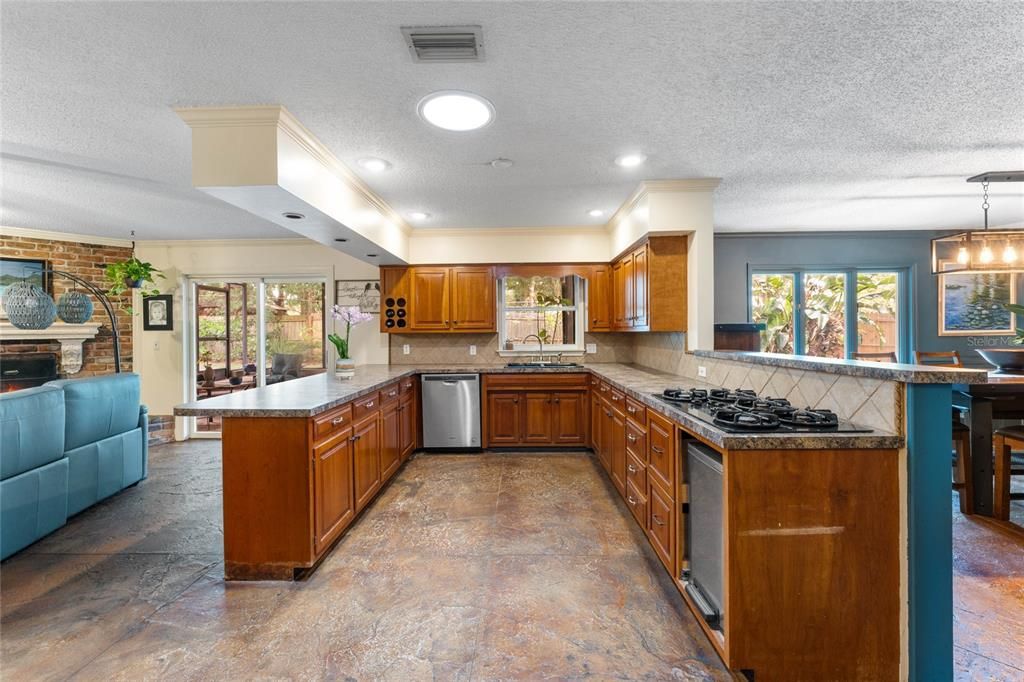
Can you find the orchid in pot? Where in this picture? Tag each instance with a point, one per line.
(345, 366)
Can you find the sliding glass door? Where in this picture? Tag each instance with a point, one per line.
(831, 312)
(250, 332)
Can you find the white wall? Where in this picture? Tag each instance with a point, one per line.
(159, 356)
(509, 245)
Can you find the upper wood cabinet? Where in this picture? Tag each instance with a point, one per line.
(438, 299)
(649, 285)
(599, 303)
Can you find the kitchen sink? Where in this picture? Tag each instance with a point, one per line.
(542, 365)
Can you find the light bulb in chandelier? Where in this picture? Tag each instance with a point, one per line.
(986, 255)
(1009, 253)
(962, 255)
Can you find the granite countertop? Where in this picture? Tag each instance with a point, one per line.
(312, 395)
(908, 374)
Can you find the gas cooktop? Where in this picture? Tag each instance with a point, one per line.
(744, 411)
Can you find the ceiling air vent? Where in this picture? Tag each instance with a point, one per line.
(441, 44)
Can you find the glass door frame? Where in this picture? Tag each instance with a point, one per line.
(904, 309)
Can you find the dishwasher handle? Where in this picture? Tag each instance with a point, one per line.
(450, 379)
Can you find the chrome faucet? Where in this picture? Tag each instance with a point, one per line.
(540, 341)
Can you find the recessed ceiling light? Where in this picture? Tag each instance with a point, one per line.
(374, 165)
(595, 213)
(419, 215)
(455, 110)
(371, 255)
(631, 160)
(341, 239)
(291, 215)
(502, 162)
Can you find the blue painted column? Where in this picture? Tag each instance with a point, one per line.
(930, 530)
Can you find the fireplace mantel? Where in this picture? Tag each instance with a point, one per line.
(70, 336)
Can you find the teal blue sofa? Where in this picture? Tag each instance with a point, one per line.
(64, 447)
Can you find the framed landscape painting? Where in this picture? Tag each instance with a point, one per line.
(17, 269)
(972, 304)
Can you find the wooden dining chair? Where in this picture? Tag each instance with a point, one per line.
(944, 358)
(1006, 439)
(877, 357)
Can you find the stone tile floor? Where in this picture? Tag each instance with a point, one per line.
(466, 567)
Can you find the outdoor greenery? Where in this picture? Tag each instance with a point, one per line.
(541, 306)
(825, 326)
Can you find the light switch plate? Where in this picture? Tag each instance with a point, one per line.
(405, 349)
(472, 350)
(702, 371)
(591, 347)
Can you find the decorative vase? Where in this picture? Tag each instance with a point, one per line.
(74, 307)
(344, 368)
(208, 375)
(133, 283)
(1005, 360)
(236, 377)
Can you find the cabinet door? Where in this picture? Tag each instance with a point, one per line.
(503, 419)
(333, 507)
(596, 419)
(407, 425)
(390, 441)
(641, 316)
(472, 297)
(661, 468)
(619, 320)
(428, 304)
(570, 419)
(617, 443)
(537, 418)
(628, 287)
(366, 454)
(599, 302)
(660, 526)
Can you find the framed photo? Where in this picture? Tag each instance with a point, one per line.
(17, 269)
(364, 293)
(971, 304)
(158, 313)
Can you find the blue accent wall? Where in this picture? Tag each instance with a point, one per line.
(736, 254)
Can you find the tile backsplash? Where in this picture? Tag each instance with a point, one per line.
(454, 349)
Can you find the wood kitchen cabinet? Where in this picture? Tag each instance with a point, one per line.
(438, 299)
(649, 286)
(407, 423)
(660, 526)
(366, 457)
(599, 300)
(334, 507)
(535, 410)
(390, 440)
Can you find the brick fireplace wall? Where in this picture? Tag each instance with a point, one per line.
(85, 261)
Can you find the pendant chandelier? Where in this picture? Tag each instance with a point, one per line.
(982, 250)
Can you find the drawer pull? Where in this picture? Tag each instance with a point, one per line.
(392, 394)
(660, 451)
(616, 398)
(369, 404)
(355, 438)
(337, 420)
(631, 500)
(631, 468)
(630, 437)
(654, 517)
(631, 409)
(409, 385)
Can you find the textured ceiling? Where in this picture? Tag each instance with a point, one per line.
(816, 115)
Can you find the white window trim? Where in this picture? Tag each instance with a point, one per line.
(519, 349)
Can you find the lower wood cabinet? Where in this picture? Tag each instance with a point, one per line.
(390, 440)
(536, 410)
(503, 419)
(660, 526)
(537, 418)
(334, 507)
(407, 425)
(569, 419)
(366, 455)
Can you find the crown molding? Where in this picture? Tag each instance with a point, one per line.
(286, 241)
(278, 116)
(51, 235)
(648, 187)
(477, 232)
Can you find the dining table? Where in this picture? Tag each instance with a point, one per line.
(1001, 398)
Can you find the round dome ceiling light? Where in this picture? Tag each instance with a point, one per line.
(419, 215)
(455, 110)
(502, 162)
(630, 160)
(292, 215)
(374, 165)
(595, 213)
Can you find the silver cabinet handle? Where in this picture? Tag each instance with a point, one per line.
(337, 420)
(657, 449)
(392, 394)
(630, 437)
(631, 500)
(631, 468)
(657, 520)
(368, 405)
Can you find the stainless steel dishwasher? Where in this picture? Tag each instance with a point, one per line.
(451, 410)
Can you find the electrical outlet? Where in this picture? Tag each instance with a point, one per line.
(405, 349)
(591, 347)
(472, 350)
(702, 371)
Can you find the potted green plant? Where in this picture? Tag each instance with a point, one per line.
(132, 274)
(345, 366)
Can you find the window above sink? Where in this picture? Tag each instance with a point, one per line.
(550, 308)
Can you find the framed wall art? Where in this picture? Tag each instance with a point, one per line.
(158, 313)
(973, 304)
(14, 270)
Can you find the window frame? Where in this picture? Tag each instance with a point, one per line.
(904, 310)
(580, 309)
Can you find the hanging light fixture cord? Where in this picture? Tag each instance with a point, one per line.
(984, 201)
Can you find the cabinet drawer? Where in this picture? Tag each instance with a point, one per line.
(618, 400)
(332, 421)
(661, 452)
(637, 504)
(636, 411)
(660, 525)
(636, 472)
(636, 441)
(539, 381)
(389, 393)
(365, 405)
(604, 390)
(408, 385)
(594, 381)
